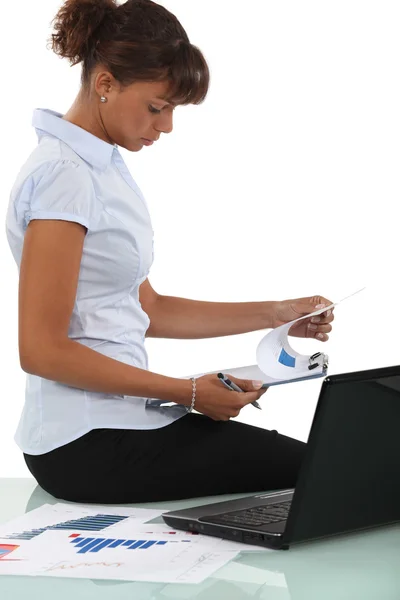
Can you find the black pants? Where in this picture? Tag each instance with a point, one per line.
(194, 456)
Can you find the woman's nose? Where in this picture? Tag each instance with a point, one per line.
(166, 124)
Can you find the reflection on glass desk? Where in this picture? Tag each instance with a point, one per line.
(354, 567)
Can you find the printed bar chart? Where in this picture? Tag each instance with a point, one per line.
(96, 544)
(92, 523)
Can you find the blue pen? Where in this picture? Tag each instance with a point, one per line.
(232, 386)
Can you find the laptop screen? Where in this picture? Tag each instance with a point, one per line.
(350, 477)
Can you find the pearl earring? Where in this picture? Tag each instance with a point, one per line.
(103, 99)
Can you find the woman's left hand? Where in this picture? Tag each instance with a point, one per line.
(315, 327)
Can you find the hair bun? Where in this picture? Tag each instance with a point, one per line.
(76, 25)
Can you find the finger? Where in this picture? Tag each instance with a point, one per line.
(317, 300)
(321, 319)
(322, 337)
(320, 333)
(305, 308)
(324, 328)
(324, 302)
(248, 398)
(247, 385)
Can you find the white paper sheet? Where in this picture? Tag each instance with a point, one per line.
(62, 554)
(274, 351)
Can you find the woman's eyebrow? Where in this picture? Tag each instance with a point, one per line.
(163, 98)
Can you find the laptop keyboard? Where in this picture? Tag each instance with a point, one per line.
(253, 517)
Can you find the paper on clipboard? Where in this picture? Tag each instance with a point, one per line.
(280, 363)
(277, 361)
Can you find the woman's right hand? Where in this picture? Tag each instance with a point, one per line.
(219, 403)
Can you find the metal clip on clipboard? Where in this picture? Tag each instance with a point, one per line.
(319, 359)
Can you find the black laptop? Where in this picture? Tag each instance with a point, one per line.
(349, 479)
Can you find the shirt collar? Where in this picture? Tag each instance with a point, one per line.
(92, 149)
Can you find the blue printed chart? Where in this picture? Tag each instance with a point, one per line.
(90, 523)
(90, 544)
(57, 553)
(59, 517)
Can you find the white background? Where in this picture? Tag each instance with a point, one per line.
(282, 184)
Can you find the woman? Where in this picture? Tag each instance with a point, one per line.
(93, 428)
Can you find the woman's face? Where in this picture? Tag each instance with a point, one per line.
(135, 112)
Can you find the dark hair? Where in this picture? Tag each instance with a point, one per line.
(139, 40)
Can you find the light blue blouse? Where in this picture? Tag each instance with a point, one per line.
(75, 176)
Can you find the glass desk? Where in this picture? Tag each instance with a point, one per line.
(354, 567)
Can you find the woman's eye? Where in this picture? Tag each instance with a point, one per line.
(154, 110)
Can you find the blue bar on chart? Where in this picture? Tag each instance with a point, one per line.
(116, 543)
(83, 541)
(147, 545)
(102, 545)
(92, 523)
(90, 546)
(136, 544)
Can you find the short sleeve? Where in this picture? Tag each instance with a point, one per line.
(64, 190)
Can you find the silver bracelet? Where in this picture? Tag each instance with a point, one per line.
(189, 409)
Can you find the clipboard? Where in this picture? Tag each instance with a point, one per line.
(281, 382)
(319, 359)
